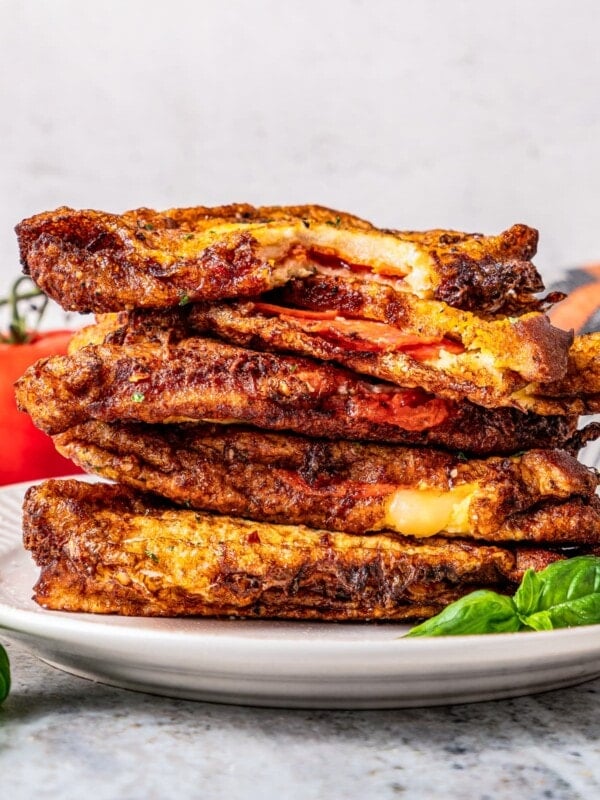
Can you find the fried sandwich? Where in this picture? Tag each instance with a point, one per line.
(197, 379)
(417, 309)
(92, 261)
(539, 495)
(305, 416)
(106, 549)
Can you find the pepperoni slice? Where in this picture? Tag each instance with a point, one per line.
(362, 335)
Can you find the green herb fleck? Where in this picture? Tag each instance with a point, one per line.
(151, 556)
(306, 223)
(188, 236)
(334, 223)
(138, 397)
(184, 299)
(149, 227)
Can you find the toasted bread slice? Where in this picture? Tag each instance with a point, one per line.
(528, 344)
(491, 363)
(446, 354)
(579, 391)
(476, 371)
(105, 549)
(93, 261)
(342, 486)
(160, 378)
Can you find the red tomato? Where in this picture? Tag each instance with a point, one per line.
(25, 452)
(396, 409)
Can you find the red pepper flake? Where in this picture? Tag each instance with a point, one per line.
(253, 538)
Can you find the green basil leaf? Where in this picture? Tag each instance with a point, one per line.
(565, 594)
(582, 611)
(482, 611)
(569, 591)
(528, 594)
(4, 674)
(540, 621)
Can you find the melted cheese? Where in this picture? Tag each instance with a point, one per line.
(425, 512)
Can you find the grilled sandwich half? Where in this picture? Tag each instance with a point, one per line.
(160, 378)
(106, 549)
(424, 310)
(94, 261)
(437, 348)
(540, 495)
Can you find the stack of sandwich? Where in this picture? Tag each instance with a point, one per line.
(301, 415)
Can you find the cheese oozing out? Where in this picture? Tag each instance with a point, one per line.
(425, 512)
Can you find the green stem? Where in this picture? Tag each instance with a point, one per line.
(18, 332)
(4, 301)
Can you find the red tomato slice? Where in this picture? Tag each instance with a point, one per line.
(25, 452)
(363, 334)
(394, 410)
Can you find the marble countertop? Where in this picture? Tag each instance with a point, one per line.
(65, 737)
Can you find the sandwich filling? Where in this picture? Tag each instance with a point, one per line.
(366, 336)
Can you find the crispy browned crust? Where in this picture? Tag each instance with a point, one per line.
(198, 379)
(105, 549)
(579, 391)
(480, 375)
(94, 261)
(497, 361)
(518, 430)
(91, 261)
(568, 518)
(530, 345)
(96, 333)
(495, 273)
(342, 486)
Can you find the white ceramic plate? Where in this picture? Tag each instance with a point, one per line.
(278, 663)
